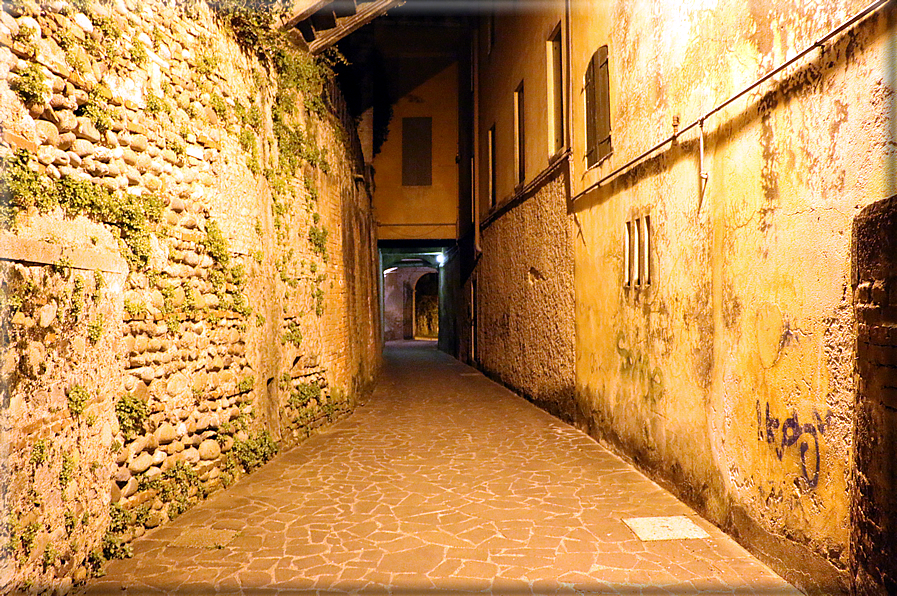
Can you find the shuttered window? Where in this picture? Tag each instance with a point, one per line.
(417, 151)
(597, 92)
(520, 133)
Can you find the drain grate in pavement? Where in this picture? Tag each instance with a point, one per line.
(676, 527)
(204, 538)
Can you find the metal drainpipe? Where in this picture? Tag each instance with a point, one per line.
(568, 108)
(474, 179)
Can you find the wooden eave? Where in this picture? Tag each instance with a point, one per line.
(319, 24)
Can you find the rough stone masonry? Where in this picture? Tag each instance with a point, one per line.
(187, 267)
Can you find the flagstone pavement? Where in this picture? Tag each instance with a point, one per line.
(443, 482)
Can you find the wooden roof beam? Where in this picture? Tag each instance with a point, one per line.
(367, 12)
(302, 9)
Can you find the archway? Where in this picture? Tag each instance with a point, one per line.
(426, 306)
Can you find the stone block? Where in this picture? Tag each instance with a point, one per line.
(47, 133)
(130, 487)
(85, 129)
(141, 463)
(65, 141)
(82, 148)
(166, 434)
(190, 455)
(879, 293)
(209, 450)
(18, 141)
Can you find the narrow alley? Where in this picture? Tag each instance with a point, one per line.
(400, 296)
(423, 488)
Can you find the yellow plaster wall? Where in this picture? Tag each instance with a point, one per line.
(733, 372)
(519, 54)
(433, 209)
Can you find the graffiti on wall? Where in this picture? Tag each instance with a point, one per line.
(637, 365)
(784, 434)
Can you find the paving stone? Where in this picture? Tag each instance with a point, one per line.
(442, 482)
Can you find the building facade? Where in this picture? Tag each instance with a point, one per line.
(693, 305)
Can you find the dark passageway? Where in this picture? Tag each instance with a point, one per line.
(424, 489)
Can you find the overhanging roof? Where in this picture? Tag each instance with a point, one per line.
(319, 24)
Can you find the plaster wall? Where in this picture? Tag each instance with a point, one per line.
(421, 212)
(519, 54)
(525, 299)
(731, 377)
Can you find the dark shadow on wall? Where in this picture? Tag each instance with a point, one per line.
(873, 509)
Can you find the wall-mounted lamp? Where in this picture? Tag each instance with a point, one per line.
(390, 270)
(440, 258)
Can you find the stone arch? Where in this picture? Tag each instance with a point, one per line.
(426, 306)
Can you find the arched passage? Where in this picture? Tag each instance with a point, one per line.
(426, 306)
(399, 304)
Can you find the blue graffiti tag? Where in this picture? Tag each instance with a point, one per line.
(791, 432)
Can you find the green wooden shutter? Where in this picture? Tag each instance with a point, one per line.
(591, 108)
(602, 91)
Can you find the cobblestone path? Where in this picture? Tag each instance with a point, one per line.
(444, 482)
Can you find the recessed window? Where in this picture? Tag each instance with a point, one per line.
(627, 254)
(555, 93)
(519, 133)
(646, 250)
(490, 29)
(637, 247)
(634, 259)
(490, 175)
(417, 151)
(597, 95)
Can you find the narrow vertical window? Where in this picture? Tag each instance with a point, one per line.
(555, 93)
(417, 151)
(634, 258)
(597, 92)
(490, 29)
(627, 240)
(646, 252)
(490, 151)
(519, 136)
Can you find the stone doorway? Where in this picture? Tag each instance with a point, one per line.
(874, 499)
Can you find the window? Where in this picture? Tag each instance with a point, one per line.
(637, 252)
(597, 92)
(417, 151)
(634, 259)
(627, 254)
(490, 29)
(490, 151)
(646, 250)
(519, 136)
(555, 93)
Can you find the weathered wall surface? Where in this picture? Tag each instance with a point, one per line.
(731, 377)
(525, 299)
(189, 272)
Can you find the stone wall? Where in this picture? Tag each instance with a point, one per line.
(525, 299)
(874, 499)
(188, 271)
